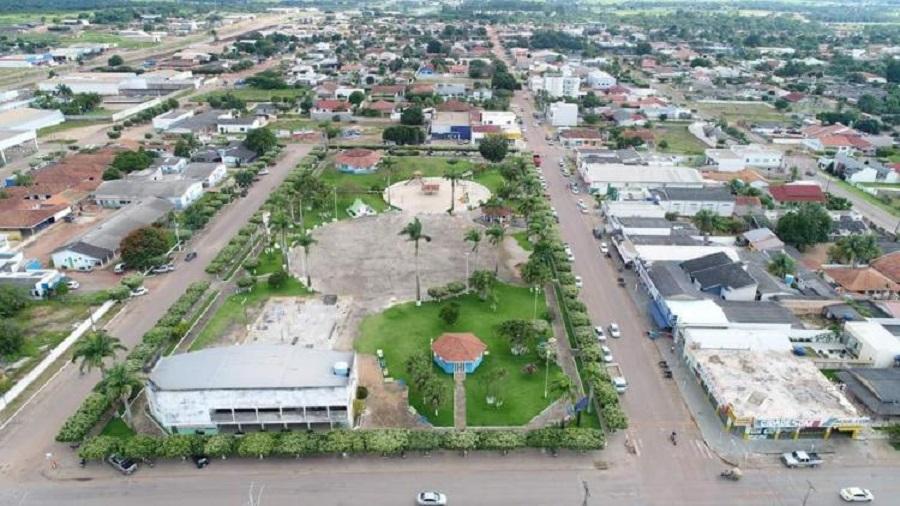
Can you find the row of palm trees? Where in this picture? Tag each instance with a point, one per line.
(119, 381)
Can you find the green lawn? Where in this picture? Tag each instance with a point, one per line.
(68, 125)
(292, 124)
(522, 239)
(404, 330)
(233, 310)
(65, 39)
(117, 428)
(369, 187)
(253, 94)
(893, 207)
(679, 139)
(741, 113)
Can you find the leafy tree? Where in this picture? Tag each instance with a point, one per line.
(130, 161)
(807, 225)
(504, 81)
(244, 178)
(260, 140)
(94, 349)
(356, 97)
(182, 148)
(414, 233)
(403, 134)
(142, 246)
(449, 312)
(267, 80)
(141, 447)
(256, 444)
(835, 203)
(277, 279)
(12, 300)
(12, 338)
(178, 446)
(120, 382)
(643, 48)
(781, 104)
(855, 249)
(493, 148)
(434, 46)
(412, 116)
(483, 282)
(115, 61)
(892, 71)
(781, 265)
(305, 241)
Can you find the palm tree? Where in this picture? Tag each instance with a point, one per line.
(781, 265)
(855, 249)
(305, 241)
(564, 387)
(94, 349)
(119, 382)
(453, 175)
(280, 220)
(496, 234)
(389, 166)
(473, 235)
(705, 220)
(434, 393)
(413, 232)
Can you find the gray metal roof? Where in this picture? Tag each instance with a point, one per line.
(108, 235)
(671, 281)
(754, 311)
(251, 367)
(729, 275)
(705, 194)
(877, 389)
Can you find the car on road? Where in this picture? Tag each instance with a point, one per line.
(85, 268)
(562, 163)
(604, 248)
(190, 256)
(120, 268)
(598, 331)
(121, 464)
(856, 494)
(72, 284)
(431, 498)
(139, 291)
(264, 172)
(606, 354)
(162, 269)
(200, 461)
(614, 330)
(579, 282)
(570, 256)
(575, 190)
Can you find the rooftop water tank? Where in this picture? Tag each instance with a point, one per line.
(341, 369)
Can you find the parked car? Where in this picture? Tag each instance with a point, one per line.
(200, 461)
(604, 248)
(264, 172)
(119, 268)
(123, 465)
(139, 291)
(162, 269)
(601, 336)
(190, 256)
(431, 499)
(72, 284)
(606, 354)
(579, 282)
(856, 494)
(85, 268)
(614, 330)
(801, 459)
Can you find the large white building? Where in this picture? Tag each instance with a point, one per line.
(562, 114)
(557, 86)
(738, 158)
(253, 387)
(872, 341)
(102, 83)
(600, 176)
(600, 80)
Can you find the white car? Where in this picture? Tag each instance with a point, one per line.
(856, 494)
(604, 248)
(431, 499)
(606, 354)
(162, 269)
(575, 190)
(570, 256)
(578, 281)
(614, 330)
(72, 284)
(139, 291)
(601, 336)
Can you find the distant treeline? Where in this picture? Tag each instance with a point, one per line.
(830, 12)
(87, 5)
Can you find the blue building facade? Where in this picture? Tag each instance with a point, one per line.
(449, 367)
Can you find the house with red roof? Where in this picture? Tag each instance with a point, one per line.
(394, 92)
(837, 138)
(357, 161)
(384, 108)
(329, 109)
(580, 137)
(792, 193)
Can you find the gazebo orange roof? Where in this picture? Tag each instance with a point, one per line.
(458, 347)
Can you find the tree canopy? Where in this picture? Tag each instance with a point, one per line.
(805, 226)
(143, 247)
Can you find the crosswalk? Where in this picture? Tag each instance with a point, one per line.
(695, 446)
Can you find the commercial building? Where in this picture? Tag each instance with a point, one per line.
(690, 201)
(772, 394)
(600, 80)
(601, 176)
(876, 390)
(253, 387)
(875, 341)
(556, 86)
(38, 283)
(563, 114)
(448, 125)
(738, 158)
(165, 120)
(102, 83)
(28, 119)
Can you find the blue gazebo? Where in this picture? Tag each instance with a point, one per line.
(453, 351)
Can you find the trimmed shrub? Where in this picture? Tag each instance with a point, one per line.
(463, 440)
(219, 445)
(297, 444)
(504, 440)
(581, 439)
(77, 426)
(386, 441)
(141, 447)
(98, 448)
(423, 440)
(256, 444)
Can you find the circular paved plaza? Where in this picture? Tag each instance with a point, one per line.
(431, 195)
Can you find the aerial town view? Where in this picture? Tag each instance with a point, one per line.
(466, 252)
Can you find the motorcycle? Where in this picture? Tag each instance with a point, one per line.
(673, 439)
(733, 474)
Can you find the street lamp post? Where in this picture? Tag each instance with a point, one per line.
(467, 271)
(550, 344)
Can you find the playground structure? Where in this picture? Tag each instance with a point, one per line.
(432, 194)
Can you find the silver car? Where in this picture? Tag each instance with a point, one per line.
(431, 498)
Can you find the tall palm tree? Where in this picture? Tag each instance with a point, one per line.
(564, 387)
(413, 232)
(705, 220)
(495, 235)
(389, 166)
(453, 175)
(94, 349)
(781, 265)
(305, 241)
(119, 382)
(473, 235)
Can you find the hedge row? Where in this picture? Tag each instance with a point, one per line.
(170, 327)
(339, 442)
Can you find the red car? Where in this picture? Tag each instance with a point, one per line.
(537, 160)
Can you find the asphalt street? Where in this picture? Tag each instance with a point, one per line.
(27, 439)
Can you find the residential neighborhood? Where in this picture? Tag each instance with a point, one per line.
(469, 253)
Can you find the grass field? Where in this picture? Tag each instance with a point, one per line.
(233, 310)
(253, 94)
(522, 239)
(293, 124)
(405, 330)
(117, 428)
(740, 112)
(678, 140)
(64, 39)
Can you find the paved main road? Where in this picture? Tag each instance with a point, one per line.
(26, 440)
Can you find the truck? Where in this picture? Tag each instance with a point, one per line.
(616, 377)
(536, 159)
(801, 459)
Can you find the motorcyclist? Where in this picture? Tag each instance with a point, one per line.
(672, 437)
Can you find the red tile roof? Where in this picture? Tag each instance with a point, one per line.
(889, 265)
(358, 157)
(580, 133)
(860, 279)
(797, 193)
(455, 106)
(383, 106)
(458, 347)
(488, 129)
(333, 105)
